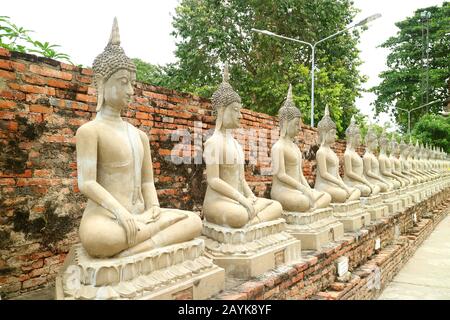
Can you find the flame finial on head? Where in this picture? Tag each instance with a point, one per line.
(225, 94)
(288, 110)
(353, 128)
(326, 123)
(115, 35)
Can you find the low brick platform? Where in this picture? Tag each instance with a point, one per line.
(316, 276)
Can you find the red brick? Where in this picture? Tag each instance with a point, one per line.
(34, 282)
(6, 115)
(87, 80)
(69, 67)
(12, 95)
(59, 83)
(40, 108)
(86, 98)
(48, 72)
(5, 52)
(22, 182)
(6, 104)
(13, 126)
(154, 95)
(33, 79)
(43, 173)
(32, 89)
(141, 115)
(7, 75)
(7, 182)
(88, 72)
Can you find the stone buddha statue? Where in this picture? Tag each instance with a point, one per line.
(371, 163)
(385, 162)
(244, 234)
(130, 247)
(122, 216)
(353, 163)
(396, 164)
(411, 159)
(327, 176)
(229, 200)
(289, 185)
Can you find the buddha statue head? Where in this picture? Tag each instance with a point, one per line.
(353, 134)
(371, 139)
(404, 148)
(226, 104)
(326, 128)
(395, 150)
(290, 117)
(114, 74)
(384, 142)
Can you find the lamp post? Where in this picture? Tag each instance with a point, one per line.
(409, 113)
(313, 50)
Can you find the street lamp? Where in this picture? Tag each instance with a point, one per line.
(409, 113)
(313, 50)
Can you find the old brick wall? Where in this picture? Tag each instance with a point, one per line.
(42, 104)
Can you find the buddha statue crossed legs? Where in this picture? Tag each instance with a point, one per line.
(229, 200)
(289, 185)
(327, 175)
(115, 172)
(353, 163)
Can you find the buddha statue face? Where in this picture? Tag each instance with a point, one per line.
(231, 117)
(372, 145)
(293, 127)
(118, 89)
(330, 136)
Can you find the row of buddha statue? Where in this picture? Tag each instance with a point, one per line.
(131, 248)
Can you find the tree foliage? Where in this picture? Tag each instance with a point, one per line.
(209, 32)
(15, 38)
(433, 130)
(401, 85)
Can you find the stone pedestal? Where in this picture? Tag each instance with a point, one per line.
(179, 271)
(351, 215)
(375, 206)
(315, 228)
(392, 200)
(250, 251)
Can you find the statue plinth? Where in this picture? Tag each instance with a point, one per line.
(315, 228)
(351, 215)
(171, 272)
(375, 206)
(250, 251)
(392, 200)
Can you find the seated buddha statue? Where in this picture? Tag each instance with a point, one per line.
(229, 201)
(289, 185)
(371, 163)
(114, 162)
(405, 162)
(327, 176)
(353, 163)
(385, 162)
(396, 164)
(412, 160)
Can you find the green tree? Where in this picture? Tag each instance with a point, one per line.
(150, 73)
(401, 84)
(15, 38)
(209, 32)
(433, 130)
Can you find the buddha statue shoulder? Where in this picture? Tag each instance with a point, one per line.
(289, 185)
(327, 175)
(229, 201)
(386, 163)
(353, 163)
(396, 164)
(371, 163)
(405, 162)
(114, 164)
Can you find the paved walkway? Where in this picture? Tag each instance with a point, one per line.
(426, 276)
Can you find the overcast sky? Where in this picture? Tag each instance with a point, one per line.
(82, 29)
